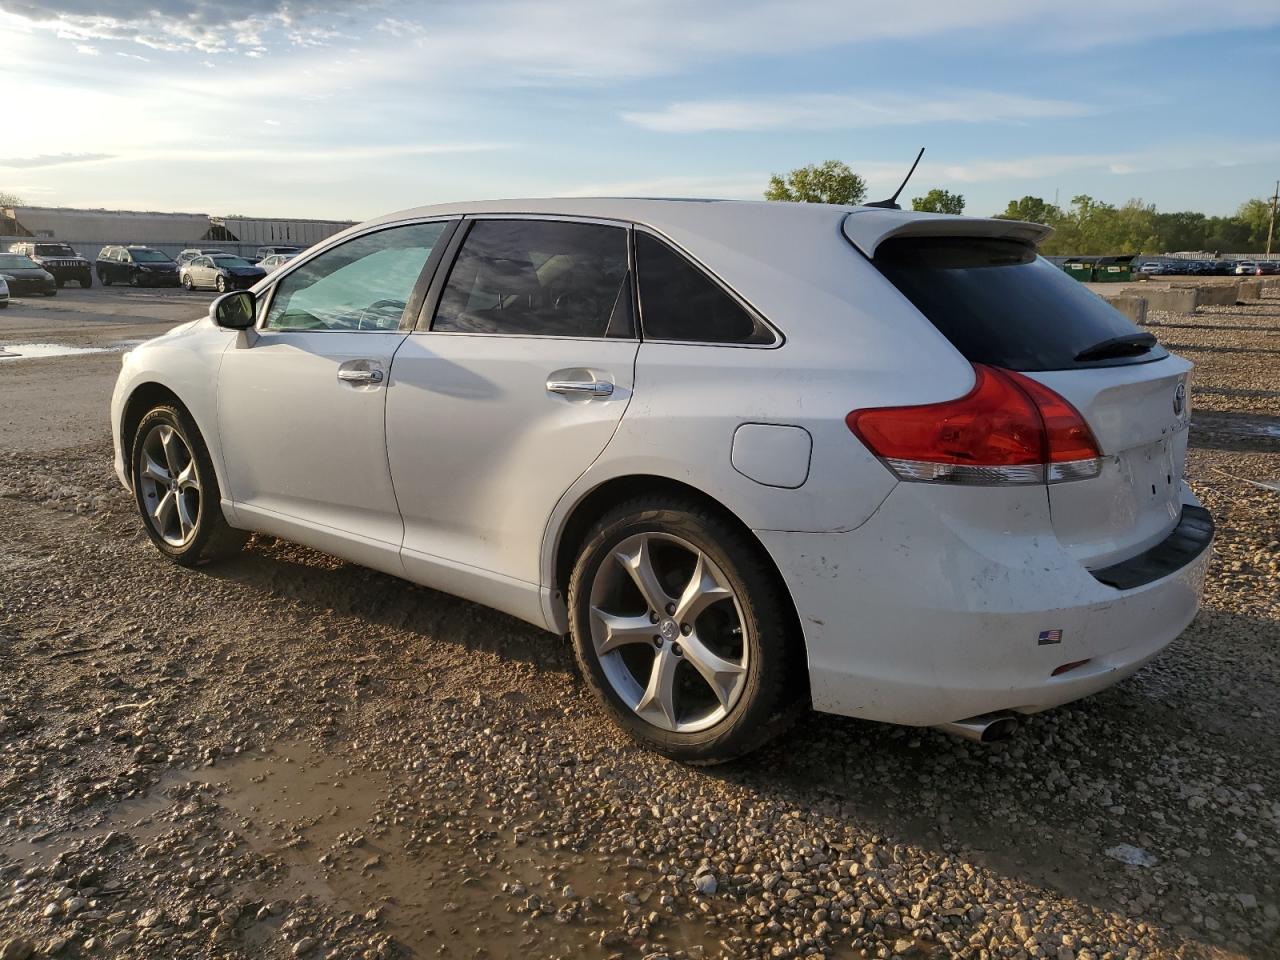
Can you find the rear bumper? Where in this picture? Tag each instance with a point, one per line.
(918, 618)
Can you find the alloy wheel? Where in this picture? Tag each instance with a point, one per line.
(166, 475)
(667, 630)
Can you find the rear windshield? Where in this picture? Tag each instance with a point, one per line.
(998, 303)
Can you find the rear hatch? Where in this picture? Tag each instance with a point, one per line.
(999, 304)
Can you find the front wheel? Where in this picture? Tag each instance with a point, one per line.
(86, 281)
(176, 490)
(186, 282)
(221, 284)
(683, 632)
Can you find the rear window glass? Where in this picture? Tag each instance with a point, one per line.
(998, 303)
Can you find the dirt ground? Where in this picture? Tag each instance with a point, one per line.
(288, 755)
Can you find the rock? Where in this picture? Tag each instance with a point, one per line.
(705, 883)
(18, 948)
(304, 946)
(150, 919)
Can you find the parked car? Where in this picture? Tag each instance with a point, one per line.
(1268, 268)
(272, 250)
(57, 258)
(275, 261)
(186, 256)
(222, 272)
(137, 266)
(4, 293)
(24, 276)
(1152, 268)
(1246, 268)
(750, 456)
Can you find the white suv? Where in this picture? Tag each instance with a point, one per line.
(752, 456)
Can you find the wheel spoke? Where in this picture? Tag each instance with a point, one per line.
(172, 449)
(154, 470)
(163, 511)
(721, 675)
(187, 479)
(186, 522)
(619, 631)
(658, 705)
(639, 564)
(702, 591)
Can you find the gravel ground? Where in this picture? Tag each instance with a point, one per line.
(292, 756)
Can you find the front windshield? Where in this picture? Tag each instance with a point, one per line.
(54, 250)
(16, 261)
(148, 256)
(226, 261)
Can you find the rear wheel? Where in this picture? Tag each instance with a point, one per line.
(683, 632)
(86, 281)
(105, 278)
(221, 284)
(176, 490)
(186, 282)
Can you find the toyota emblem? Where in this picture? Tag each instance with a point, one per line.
(1179, 399)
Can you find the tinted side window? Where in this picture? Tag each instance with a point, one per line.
(678, 301)
(998, 303)
(539, 278)
(363, 284)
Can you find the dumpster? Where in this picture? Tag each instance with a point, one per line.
(1082, 270)
(1113, 269)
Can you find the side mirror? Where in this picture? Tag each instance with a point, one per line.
(235, 311)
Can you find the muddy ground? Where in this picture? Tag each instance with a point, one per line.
(288, 755)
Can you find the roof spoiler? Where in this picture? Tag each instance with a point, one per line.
(871, 226)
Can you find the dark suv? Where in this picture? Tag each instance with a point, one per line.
(136, 266)
(57, 258)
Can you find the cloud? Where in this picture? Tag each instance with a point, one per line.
(839, 111)
(731, 186)
(53, 159)
(87, 50)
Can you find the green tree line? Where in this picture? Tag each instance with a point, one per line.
(1089, 226)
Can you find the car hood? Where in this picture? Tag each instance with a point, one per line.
(25, 273)
(246, 271)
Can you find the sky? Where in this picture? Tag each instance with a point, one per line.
(354, 108)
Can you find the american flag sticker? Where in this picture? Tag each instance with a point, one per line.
(1050, 636)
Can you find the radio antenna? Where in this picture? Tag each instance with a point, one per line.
(892, 202)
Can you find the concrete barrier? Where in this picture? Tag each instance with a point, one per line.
(1217, 295)
(1171, 299)
(1131, 305)
(1248, 291)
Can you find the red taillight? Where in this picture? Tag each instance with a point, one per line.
(1007, 429)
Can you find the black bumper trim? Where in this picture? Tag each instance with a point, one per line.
(1190, 538)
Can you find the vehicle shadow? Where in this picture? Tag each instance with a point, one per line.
(1041, 809)
(1236, 431)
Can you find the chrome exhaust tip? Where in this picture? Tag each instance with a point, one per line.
(987, 728)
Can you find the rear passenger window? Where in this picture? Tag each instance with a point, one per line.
(539, 278)
(680, 302)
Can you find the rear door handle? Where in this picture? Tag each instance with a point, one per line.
(585, 389)
(357, 375)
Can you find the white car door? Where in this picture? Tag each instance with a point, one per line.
(512, 385)
(301, 399)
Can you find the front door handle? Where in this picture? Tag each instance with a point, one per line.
(356, 375)
(585, 389)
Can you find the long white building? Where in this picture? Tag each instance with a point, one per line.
(90, 230)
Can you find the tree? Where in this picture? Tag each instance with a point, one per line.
(10, 199)
(832, 182)
(1031, 209)
(939, 201)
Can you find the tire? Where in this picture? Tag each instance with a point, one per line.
(203, 538)
(104, 279)
(186, 282)
(757, 699)
(86, 281)
(134, 280)
(60, 282)
(220, 284)
(53, 292)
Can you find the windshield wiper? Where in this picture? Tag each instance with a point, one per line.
(1129, 345)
